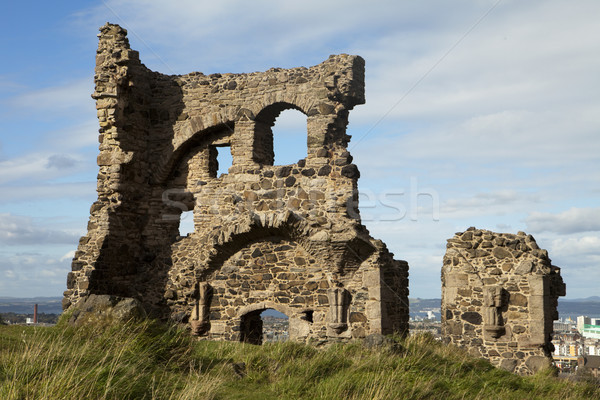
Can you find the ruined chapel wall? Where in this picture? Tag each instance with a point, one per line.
(159, 135)
(499, 298)
(293, 276)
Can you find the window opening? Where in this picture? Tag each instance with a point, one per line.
(308, 316)
(289, 137)
(275, 326)
(224, 159)
(186, 223)
(264, 326)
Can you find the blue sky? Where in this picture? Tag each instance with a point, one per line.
(479, 113)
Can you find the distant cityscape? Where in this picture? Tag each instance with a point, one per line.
(577, 343)
(275, 329)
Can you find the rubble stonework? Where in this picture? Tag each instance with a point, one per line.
(284, 237)
(499, 298)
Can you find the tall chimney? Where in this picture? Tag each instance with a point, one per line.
(35, 313)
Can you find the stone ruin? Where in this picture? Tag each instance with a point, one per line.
(283, 237)
(499, 298)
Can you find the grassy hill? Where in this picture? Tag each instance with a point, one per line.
(147, 360)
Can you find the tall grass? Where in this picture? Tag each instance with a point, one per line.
(116, 361)
(146, 360)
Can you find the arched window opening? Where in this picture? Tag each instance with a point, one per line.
(289, 137)
(280, 135)
(264, 326)
(198, 155)
(186, 223)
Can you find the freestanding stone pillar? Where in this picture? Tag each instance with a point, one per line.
(499, 298)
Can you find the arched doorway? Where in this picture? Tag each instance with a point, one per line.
(265, 325)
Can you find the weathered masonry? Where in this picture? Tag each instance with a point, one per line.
(499, 298)
(285, 237)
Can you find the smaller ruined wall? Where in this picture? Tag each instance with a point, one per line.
(499, 298)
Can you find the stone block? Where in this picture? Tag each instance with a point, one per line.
(518, 299)
(508, 364)
(373, 310)
(471, 317)
(453, 328)
(456, 280)
(524, 267)
(501, 252)
(538, 363)
(538, 285)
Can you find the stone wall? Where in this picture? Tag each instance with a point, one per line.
(285, 237)
(499, 298)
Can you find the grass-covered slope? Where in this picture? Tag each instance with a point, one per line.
(150, 361)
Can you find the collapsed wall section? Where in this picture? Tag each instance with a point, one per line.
(499, 298)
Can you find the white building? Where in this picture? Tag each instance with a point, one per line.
(588, 327)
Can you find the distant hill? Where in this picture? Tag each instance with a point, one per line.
(589, 306)
(572, 308)
(424, 303)
(46, 305)
(591, 299)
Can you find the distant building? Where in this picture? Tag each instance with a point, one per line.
(593, 348)
(590, 364)
(588, 327)
(575, 349)
(562, 326)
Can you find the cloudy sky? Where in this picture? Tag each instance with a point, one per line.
(479, 113)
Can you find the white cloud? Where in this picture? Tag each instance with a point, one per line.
(32, 275)
(8, 85)
(53, 273)
(61, 161)
(259, 34)
(500, 202)
(578, 256)
(578, 246)
(71, 98)
(572, 220)
(37, 166)
(47, 192)
(23, 231)
(68, 256)
(516, 58)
